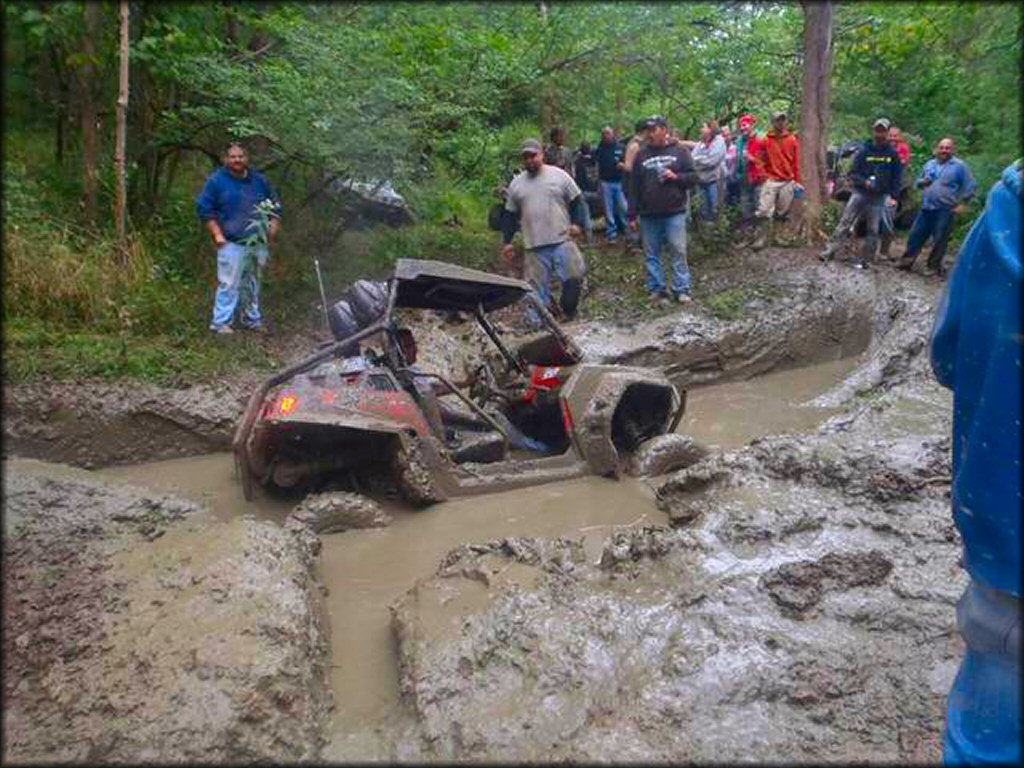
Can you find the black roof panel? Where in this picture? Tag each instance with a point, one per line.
(424, 284)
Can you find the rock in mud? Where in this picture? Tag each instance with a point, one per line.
(204, 644)
(665, 453)
(338, 511)
(796, 587)
(680, 495)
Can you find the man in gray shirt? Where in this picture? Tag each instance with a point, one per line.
(547, 204)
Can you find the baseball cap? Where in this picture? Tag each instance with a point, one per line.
(779, 113)
(881, 122)
(530, 147)
(656, 120)
(748, 119)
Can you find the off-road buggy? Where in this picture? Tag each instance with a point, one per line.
(531, 412)
(839, 161)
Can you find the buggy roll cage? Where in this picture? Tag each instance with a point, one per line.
(385, 324)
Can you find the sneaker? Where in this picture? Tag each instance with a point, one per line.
(659, 297)
(222, 329)
(682, 298)
(258, 328)
(826, 254)
(859, 265)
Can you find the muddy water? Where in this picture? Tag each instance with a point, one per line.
(365, 571)
(731, 415)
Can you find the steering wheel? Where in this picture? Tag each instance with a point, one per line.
(485, 387)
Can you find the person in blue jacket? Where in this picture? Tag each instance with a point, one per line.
(875, 175)
(976, 352)
(228, 207)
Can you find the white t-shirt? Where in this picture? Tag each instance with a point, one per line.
(542, 202)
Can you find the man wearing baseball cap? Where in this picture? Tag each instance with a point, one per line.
(547, 204)
(875, 174)
(663, 175)
(780, 159)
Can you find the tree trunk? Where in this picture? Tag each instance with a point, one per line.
(63, 92)
(90, 135)
(815, 109)
(120, 203)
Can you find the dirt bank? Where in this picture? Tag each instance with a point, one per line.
(797, 604)
(137, 628)
(790, 309)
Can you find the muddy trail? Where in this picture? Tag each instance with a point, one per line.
(787, 596)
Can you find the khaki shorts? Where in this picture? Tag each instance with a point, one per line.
(776, 197)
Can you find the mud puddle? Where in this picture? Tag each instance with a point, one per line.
(366, 570)
(731, 415)
(209, 479)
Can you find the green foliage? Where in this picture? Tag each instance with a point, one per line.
(34, 349)
(433, 97)
(728, 304)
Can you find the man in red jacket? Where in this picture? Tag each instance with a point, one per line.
(748, 167)
(779, 159)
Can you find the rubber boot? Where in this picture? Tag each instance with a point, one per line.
(906, 263)
(761, 237)
(867, 252)
(829, 251)
(570, 298)
(886, 243)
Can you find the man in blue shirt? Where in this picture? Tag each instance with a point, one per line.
(947, 183)
(976, 352)
(229, 208)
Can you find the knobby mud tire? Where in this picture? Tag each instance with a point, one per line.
(414, 478)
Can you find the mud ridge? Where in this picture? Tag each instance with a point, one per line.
(136, 629)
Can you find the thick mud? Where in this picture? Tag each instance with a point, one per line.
(136, 629)
(785, 599)
(796, 605)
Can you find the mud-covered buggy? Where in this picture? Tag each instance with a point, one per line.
(527, 414)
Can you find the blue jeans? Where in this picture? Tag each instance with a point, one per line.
(669, 231)
(709, 200)
(555, 259)
(732, 192)
(614, 208)
(588, 221)
(983, 708)
(937, 224)
(749, 195)
(238, 283)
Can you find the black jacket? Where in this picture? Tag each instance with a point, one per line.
(648, 195)
(586, 171)
(881, 162)
(608, 158)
